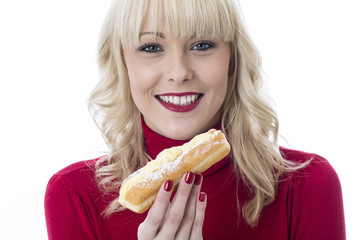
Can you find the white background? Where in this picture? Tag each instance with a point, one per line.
(310, 51)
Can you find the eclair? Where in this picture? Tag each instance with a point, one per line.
(139, 190)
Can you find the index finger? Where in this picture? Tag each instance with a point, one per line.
(149, 228)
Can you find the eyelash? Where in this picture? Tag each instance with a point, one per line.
(145, 48)
(157, 48)
(208, 44)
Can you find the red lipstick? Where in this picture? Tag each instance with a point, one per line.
(177, 107)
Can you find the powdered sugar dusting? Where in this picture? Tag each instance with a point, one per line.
(168, 167)
(165, 168)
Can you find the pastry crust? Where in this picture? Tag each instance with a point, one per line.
(139, 190)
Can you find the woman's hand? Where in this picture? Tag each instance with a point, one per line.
(182, 218)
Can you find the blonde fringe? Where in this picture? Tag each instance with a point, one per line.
(248, 121)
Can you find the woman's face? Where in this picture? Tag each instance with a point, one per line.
(178, 84)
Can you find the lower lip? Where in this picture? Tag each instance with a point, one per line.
(180, 108)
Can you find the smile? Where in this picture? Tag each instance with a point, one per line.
(179, 102)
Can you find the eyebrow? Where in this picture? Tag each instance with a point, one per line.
(158, 34)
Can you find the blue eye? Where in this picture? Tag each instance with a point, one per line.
(203, 46)
(151, 48)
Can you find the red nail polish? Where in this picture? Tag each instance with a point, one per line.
(168, 185)
(189, 178)
(198, 179)
(202, 197)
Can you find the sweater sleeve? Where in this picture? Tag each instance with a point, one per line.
(315, 203)
(67, 217)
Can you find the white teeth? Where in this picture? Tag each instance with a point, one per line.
(176, 100)
(188, 99)
(183, 100)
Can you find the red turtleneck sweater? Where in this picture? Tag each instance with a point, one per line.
(308, 202)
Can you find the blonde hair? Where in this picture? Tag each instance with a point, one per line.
(248, 121)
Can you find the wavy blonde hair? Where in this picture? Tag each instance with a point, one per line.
(248, 121)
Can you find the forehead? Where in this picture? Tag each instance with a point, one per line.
(180, 18)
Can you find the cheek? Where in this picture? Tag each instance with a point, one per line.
(220, 89)
(215, 75)
(142, 77)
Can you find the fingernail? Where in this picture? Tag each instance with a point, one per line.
(168, 185)
(189, 178)
(198, 178)
(202, 197)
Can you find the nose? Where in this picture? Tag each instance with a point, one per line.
(178, 67)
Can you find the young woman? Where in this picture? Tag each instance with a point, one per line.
(171, 70)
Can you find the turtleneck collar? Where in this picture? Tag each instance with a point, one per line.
(155, 143)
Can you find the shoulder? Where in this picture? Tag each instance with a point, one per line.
(71, 200)
(314, 198)
(74, 177)
(318, 170)
(315, 183)
(298, 156)
(77, 167)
